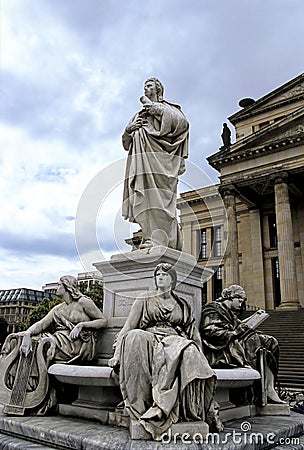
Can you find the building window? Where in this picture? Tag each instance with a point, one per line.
(204, 293)
(272, 226)
(217, 241)
(276, 281)
(217, 282)
(203, 252)
(264, 124)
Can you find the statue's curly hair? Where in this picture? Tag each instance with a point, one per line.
(166, 267)
(228, 292)
(159, 88)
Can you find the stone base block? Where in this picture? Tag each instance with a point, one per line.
(82, 412)
(183, 431)
(100, 396)
(119, 418)
(236, 412)
(273, 409)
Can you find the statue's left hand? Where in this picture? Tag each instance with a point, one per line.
(76, 331)
(26, 345)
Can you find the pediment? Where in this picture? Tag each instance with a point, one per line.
(288, 132)
(289, 127)
(291, 91)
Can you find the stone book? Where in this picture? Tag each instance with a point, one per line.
(256, 319)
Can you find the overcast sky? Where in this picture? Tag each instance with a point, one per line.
(72, 72)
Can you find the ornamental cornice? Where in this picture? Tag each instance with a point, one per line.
(221, 160)
(266, 108)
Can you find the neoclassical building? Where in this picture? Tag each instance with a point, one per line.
(250, 227)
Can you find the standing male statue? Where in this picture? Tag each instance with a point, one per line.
(156, 139)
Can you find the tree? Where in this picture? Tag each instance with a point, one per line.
(95, 293)
(40, 311)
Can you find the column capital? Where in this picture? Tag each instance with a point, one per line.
(281, 177)
(227, 190)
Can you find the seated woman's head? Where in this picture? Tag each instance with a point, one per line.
(69, 283)
(166, 268)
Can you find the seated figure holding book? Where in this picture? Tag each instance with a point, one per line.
(229, 342)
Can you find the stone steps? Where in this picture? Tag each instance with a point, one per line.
(287, 327)
(8, 442)
(55, 432)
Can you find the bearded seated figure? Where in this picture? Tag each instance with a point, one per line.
(230, 343)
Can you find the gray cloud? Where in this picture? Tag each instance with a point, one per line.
(76, 72)
(58, 244)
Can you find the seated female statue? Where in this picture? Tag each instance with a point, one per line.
(164, 375)
(26, 356)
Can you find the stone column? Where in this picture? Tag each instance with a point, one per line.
(231, 257)
(257, 282)
(286, 253)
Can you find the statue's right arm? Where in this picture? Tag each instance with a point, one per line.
(36, 328)
(130, 324)
(41, 325)
(216, 331)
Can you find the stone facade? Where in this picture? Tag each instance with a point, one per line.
(250, 228)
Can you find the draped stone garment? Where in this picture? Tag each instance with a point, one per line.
(225, 347)
(71, 350)
(67, 350)
(156, 158)
(164, 376)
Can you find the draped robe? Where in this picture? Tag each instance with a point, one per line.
(226, 349)
(164, 375)
(156, 154)
(67, 350)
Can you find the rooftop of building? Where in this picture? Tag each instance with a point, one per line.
(23, 294)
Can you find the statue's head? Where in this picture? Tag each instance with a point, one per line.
(70, 284)
(234, 297)
(159, 88)
(166, 267)
(232, 291)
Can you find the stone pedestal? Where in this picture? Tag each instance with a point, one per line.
(128, 275)
(272, 409)
(98, 390)
(233, 379)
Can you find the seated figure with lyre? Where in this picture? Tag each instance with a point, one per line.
(25, 357)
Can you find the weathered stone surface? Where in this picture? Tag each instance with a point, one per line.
(178, 431)
(274, 410)
(70, 433)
